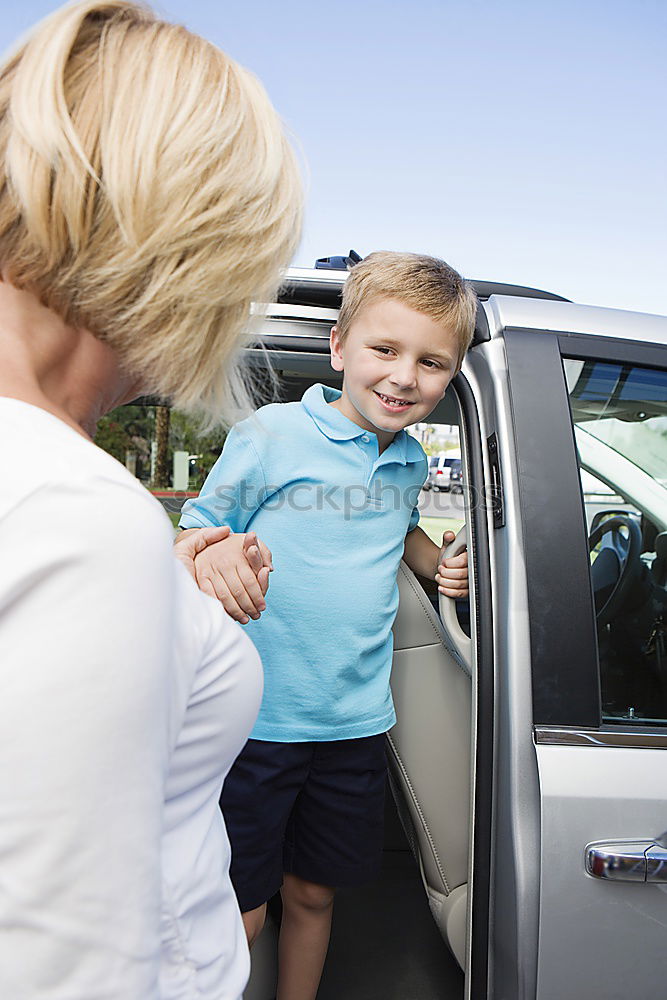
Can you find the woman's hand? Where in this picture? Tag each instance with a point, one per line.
(190, 542)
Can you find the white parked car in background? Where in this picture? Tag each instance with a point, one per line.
(440, 471)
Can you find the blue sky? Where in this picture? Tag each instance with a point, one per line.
(523, 142)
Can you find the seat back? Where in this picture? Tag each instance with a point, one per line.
(429, 755)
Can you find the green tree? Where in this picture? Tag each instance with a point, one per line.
(128, 429)
(163, 453)
(132, 428)
(112, 437)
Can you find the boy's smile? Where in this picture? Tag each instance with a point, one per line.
(397, 363)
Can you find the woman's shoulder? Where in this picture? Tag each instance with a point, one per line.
(49, 458)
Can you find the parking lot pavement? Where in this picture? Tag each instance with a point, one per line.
(440, 512)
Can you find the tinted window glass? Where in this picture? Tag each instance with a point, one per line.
(620, 418)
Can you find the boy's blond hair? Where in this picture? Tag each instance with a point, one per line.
(423, 283)
(147, 193)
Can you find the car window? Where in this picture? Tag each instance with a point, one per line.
(599, 498)
(619, 413)
(440, 509)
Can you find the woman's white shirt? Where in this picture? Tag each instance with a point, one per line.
(125, 695)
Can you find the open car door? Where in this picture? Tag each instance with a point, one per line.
(578, 854)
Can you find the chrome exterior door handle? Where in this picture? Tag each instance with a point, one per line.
(628, 860)
(656, 863)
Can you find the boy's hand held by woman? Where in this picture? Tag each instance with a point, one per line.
(233, 568)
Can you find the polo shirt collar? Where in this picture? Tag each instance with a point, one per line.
(333, 424)
(337, 427)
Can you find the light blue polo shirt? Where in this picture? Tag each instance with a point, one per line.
(335, 514)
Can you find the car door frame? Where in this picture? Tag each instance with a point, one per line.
(482, 729)
(563, 674)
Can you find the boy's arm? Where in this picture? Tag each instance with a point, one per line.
(423, 557)
(233, 490)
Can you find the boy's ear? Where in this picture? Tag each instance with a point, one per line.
(336, 350)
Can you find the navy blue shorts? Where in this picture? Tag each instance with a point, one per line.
(313, 809)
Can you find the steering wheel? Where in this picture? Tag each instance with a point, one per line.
(617, 568)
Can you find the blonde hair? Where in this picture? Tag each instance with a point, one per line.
(147, 193)
(426, 284)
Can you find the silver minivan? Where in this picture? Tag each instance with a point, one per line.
(526, 852)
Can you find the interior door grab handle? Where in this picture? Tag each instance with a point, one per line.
(447, 605)
(628, 860)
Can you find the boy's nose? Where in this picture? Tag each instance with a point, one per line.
(404, 376)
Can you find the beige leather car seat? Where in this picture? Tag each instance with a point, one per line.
(429, 755)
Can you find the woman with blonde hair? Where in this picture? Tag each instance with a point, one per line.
(147, 196)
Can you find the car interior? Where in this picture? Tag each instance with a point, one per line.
(620, 418)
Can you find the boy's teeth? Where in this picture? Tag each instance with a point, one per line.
(391, 400)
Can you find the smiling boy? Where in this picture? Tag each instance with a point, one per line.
(396, 367)
(331, 485)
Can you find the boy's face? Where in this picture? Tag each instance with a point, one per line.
(397, 363)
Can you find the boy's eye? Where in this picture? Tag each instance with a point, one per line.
(383, 350)
(429, 363)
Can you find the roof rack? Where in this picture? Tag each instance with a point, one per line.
(306, 287)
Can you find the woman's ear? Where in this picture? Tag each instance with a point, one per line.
(336, 350)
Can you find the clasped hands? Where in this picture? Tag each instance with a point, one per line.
(235, 568)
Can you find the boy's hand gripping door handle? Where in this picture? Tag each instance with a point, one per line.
(461, 642)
